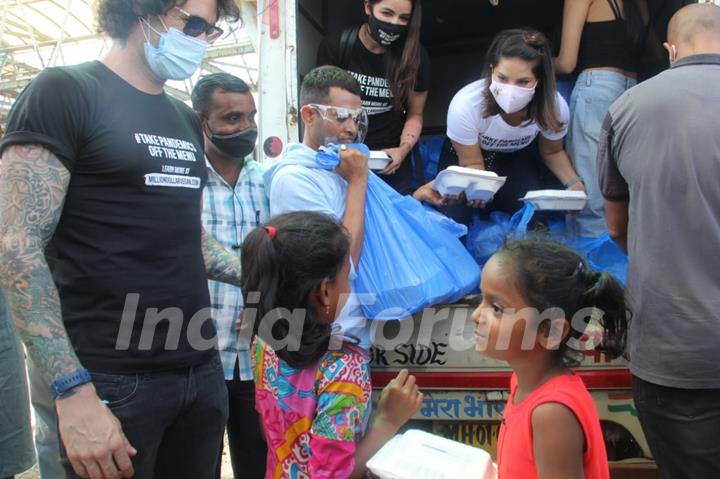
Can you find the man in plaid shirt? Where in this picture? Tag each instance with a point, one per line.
(234, 203)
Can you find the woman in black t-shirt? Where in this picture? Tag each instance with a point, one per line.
(385, 56)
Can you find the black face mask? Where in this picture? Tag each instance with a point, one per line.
(237, 145)
(385, 33)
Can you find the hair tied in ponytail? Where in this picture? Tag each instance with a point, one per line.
(579, 268)
(271, 231)
(594, 280)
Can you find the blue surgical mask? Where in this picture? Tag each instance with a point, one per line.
(177, 55)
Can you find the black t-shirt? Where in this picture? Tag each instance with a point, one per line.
(131, 220)
(386, 123)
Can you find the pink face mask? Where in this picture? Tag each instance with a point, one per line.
(511, 98)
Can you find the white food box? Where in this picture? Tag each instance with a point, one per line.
(418, 454)
(476, 184)
(557, 200)
(378, 160)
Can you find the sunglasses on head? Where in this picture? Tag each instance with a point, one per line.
(196, 26)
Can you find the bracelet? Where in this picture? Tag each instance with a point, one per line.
(577, 179)
(64, 384)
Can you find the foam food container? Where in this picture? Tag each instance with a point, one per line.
(557, 200)
(378, 160)
(419, 454)
(477, 184)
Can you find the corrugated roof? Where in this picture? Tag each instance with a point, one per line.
(35, 34)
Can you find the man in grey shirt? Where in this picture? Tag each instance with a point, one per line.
(659, 161)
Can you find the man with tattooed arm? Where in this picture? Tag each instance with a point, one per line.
(102, 164)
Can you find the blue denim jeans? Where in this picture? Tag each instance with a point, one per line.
(595, 91)
(175, 419)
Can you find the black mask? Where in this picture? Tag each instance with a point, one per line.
(237, 145)
(385, 33)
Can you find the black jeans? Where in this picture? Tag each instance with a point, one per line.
(248, 451)
(524, 169)
(681, 427)
(175, 419)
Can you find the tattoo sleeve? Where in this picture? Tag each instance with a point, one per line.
(219, 263)
(33, 184)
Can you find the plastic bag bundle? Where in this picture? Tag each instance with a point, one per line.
(486, 237)
(602, 254)
(430, 149)
(412, 257)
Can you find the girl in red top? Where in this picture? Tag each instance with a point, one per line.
(538, 299)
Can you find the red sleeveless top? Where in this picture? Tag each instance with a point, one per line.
(516, 459)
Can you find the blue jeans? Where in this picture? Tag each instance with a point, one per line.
(595, 91)
(175, 419)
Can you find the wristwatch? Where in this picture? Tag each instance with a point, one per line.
(569, 183)
(66, 383)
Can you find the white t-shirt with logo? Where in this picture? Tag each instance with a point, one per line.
(466, 125)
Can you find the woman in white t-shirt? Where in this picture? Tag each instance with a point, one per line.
(493, 123)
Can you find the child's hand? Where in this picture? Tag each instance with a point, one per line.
(399, 400)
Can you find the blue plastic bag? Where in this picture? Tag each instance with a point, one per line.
(602, 254)
(486, 237)
(458, 230)
(412, 258)
(430, 148)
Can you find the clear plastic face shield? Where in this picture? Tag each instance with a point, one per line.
(346, 122)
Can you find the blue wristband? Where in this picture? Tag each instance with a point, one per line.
(65, 383)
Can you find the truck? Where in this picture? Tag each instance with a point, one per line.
(464, 392)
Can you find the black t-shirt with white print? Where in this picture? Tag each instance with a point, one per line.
(385, 123)
(128, 245)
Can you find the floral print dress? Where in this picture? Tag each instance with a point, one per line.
(314, 417)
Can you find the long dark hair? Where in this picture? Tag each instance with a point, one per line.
(308, 248)
(635, 27)
(533, 47)
(402, 59)
(549, 275)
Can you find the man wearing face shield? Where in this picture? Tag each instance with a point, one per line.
(234, 203)
(331, 112)
(105, 167)
(330, 100)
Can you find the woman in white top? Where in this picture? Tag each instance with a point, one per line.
(493, 123)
